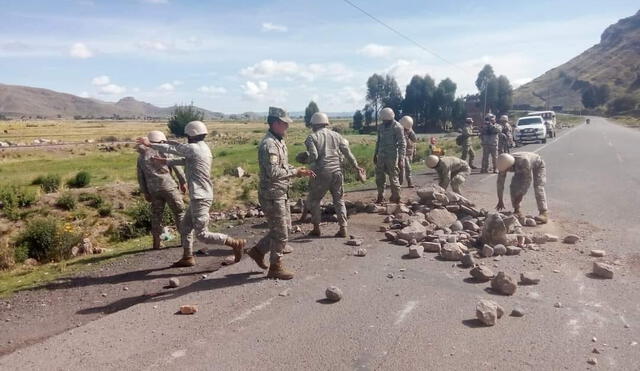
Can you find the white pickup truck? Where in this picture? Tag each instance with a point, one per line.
(530, 129)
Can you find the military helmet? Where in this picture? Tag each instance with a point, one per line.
(406, 122)
(432, 161)
(468, 120)
(490, 116)
(195, 128)
(302, 157)
(319, 118)
(505, 161)
(156, 136)
(387, 114)
(504, 118)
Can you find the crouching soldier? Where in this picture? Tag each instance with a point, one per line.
(196, 158)
(525, 166)
(451, 170)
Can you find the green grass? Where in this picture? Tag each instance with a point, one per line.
(628, 121)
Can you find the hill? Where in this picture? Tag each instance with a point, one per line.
(614, 62)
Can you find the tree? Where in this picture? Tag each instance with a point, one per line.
(368, 115)
(419, 101)
(375, 93)
(392, 96)
(309, 111)
(504, 99)
(622, 104)
(595, 96)
(357, 120)
(485, 75)
(443, 102)
(181, 116)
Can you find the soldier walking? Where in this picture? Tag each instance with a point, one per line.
(467, 148)
(451, 170)
(275, 177)
(411, 139)
(525, 166)
(389, 155)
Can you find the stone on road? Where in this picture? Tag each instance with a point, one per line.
(488, 312)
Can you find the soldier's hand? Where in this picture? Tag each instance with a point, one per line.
(159, 160)
(183, 188)
(500, 205)
(306, 172)
(144, 141)
(147, 197)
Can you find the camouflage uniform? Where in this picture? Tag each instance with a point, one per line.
(467, 148)
(326, 149)
(410, 139)
(528, 166)
(390, 147)
(503, 143)
(157, 183)
(196, 158)
(489, 140)
(452, 170)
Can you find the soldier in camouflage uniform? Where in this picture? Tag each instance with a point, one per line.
(275, 177)
(389, 155)
(451, 170)
(326, 148)
(411, 139)
(507, 130)
(525, 166)
(489, 137)
(196, 158)
(467, 148)
(158, 186)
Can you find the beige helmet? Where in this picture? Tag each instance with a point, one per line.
(319, 118)
(387, 114)
(195, 128)
(406, 122)
(505, 161)
(468, 120)
(504, 118)
(156, 136)
(490, 116)
(432, 161)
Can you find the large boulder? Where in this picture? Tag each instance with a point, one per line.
(415, 231)
(504, 284)
(441, 217)
(451, 251)
(432, 193)
(494, 231)
(488, 312)
(482, 274)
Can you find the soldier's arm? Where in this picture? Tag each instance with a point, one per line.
(375, 151)
(412, 136)
(174, 148)
(445, 177)
(176, 161)
(268, 158)
(400, 142)
(171, 162)
(311, 149)
(142, 182)
(502, 176)
(346, 151)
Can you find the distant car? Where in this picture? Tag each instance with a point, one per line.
(549, 118)
(530, 129)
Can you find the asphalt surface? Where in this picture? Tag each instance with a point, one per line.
(405, 314)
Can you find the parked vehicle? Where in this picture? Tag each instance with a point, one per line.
(530, 129)
(549, 118)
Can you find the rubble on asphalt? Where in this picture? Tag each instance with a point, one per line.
(333, 294)
(488, 312)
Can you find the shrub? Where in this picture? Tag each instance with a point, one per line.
(7, 258)
(298, 188)
(14, 197)
(47, 239)
(92, 200)
(38, 180)
(81, 180)
(66, 201)
(109, 138)
(181, 116)
(50, 183)
(104, 210)
(139, 223)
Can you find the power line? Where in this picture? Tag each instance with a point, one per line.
(403, 35)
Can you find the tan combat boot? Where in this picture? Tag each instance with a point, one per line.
(380, 199)
(277, 271)
(287, 249)
(238, 247)
(543, 218)
(315, 232)
(258, 257)
(342, 232)
(187, 261)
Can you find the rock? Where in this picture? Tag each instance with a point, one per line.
(393, 209)
(558, 305)
(431, 246)
(551, 237)
(413, 242)
(467, 261)
(451, 252)
(602, 270)
(571, 239)
(517, 312)
(391, 236)
(402, 242)
(598, 253)
(511, 223)
(504, 284)
(452, 238)
(371, 208)
(333, 293)
(494, 231)
(540, 239)
(188, 309)
(592, 361)
(513, 250)
(488, 312)
(441, 217)
(487, 251)
(383, 228)
(530, 222)
(286, 292)
(174, 282)
(416, 251)
(470, 226)
(529, 278)
(389, 219)
(354, 242)
(361, 252)
(499, 250)
(456, 226)
(482, 274)
(31, 262)
(415, 231)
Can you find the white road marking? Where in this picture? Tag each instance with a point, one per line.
(405, 311)
(249, 312)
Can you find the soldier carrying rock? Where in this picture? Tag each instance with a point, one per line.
(451, 170)
(389, 155)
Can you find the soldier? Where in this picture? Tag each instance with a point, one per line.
(507, 130)
(196, 158)
(411, 139)
(389, 155)
(275, 176)
(524, 165)
(325, 148)
(450, 170)
(158, 186)
(467, 148)
(489, 137)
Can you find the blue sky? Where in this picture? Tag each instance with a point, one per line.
(236, 56)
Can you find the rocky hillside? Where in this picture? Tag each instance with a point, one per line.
(615, 61)
(17, 101)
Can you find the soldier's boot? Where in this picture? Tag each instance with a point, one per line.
(186, 261)
(342, 232)
(472, 166)
(287, 249)
(543, 218)
(277, 271)
(156, 243)
(315, 232)
(410, 183)
(380, 199)
(238, 247)
(258, 257)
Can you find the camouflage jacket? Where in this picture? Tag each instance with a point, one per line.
(275, 171)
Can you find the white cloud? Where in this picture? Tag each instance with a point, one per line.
(111, 89)
(167, 87)
(100, 80)
(255, 90)
(268, 27)
(80, 50)
(375, 50)
(213, 90)
(288, 70)
(155, 45)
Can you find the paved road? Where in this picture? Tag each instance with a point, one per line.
(422, 318)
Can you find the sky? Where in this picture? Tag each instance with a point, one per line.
(237, 56)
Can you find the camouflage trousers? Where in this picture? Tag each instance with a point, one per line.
(468, 152)
(278, 217)
(386, 166)
(159, 199)
(458, 179)
(521, 182)
(405, 173)
(489, 151)
(196, 221)
(319, 186)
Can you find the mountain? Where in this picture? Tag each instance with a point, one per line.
(614, 62)
(16, 101)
